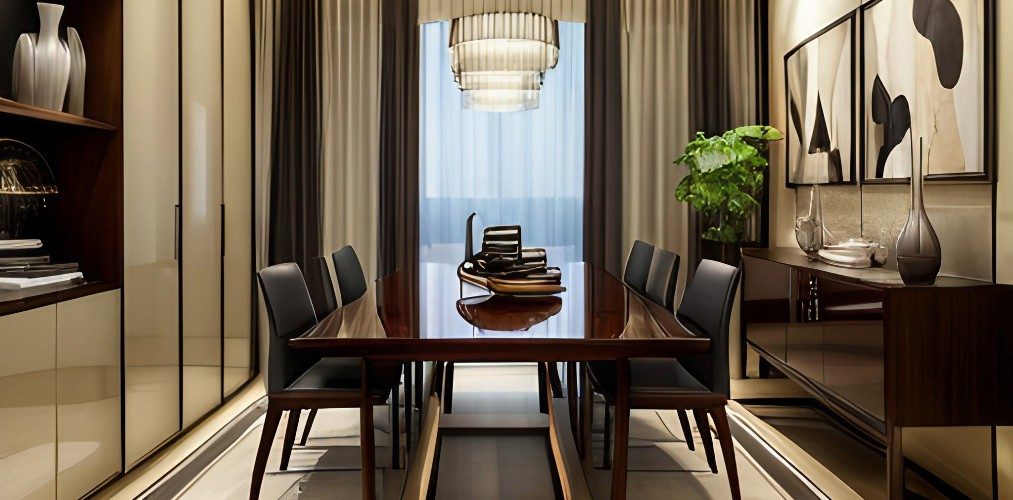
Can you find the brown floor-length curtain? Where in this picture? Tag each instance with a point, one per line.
(603, 156)
(655, 126)
(398, 242)
(603, 176)
(726, 86)
(349, 72)
(295, 215)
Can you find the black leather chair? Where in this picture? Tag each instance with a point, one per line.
(662, 278)
(326, 383)
(327, 302)
(348, 270)
(652, 273)
(698, 383)
(351, 287)
(638, 265)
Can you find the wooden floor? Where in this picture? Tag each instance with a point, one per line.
(488, 467)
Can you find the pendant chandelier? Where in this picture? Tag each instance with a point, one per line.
(499, 59)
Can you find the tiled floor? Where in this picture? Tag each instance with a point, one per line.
(487, 467)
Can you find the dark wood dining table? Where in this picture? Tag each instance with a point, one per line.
(596, 318)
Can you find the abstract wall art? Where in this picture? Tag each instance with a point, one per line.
(820, 95)
(924, 75)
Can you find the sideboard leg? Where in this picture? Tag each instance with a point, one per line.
(895, 463)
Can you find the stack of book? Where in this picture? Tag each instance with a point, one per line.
(24, 264)
(504, 266)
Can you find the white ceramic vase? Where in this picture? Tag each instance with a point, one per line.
(78, 64)
(23, 70)
(50, 66)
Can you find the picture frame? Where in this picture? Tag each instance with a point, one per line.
(968, 138)
(820, 139)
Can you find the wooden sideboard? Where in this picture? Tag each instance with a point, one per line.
(880, 354)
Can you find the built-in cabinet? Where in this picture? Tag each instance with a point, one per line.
(60, 387)
(188, 192)
(202, 208)
(151, 222)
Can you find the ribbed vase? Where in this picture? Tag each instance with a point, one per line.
(52, 59)
(918, 252)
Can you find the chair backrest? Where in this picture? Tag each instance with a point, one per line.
(348, 271)
(705, 310)
(326, 302)
(638, 265)
(662, 278)
(290, 312)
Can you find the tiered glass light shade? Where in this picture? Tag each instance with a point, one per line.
(499, 59)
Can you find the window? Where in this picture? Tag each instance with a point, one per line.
(524, 167)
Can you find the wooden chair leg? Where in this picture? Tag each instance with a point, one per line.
(306, 428)
(290, 431)
(584, 396)
(419, 384)
(727, 449)
(686, 431)
(271, 421)
(703, 425)
(543, 406)
(367, 450)
(622, 432)
(395, 428)
(448, 389)
(606, 451)
(409, 406)
(571, 401)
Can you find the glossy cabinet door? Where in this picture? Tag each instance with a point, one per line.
(28, 404)
(201, 94)
(854, 370)
(238, 174)
(766, 305)
(151, 226)
(87, 393)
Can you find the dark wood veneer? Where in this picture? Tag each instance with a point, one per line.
(85, 223)
(934, 356)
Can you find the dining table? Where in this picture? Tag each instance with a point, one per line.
(596, 318)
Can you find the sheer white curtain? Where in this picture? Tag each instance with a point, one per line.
(524, 167)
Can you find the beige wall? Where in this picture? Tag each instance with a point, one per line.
(960, 214)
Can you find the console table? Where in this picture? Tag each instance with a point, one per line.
(881, 354)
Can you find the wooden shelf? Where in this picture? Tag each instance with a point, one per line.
(14, 108)
(14, 301)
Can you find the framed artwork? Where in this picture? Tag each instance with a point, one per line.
(927, 74)
(820, 97)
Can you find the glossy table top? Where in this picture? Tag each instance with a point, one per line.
(461, 322)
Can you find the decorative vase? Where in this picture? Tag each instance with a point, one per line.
(78, 64)
(49, 60)
(918, 252)
(23, 70)
(809, 228)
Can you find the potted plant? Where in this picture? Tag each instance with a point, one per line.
(725, 180)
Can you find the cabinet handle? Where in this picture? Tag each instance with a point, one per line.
(175, 232)
(222, 230)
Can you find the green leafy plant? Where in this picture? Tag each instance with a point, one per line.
(725, 178)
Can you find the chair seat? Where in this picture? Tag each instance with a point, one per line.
(337, 374)
(650, 375)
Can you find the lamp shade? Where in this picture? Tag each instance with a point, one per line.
(499, 59)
